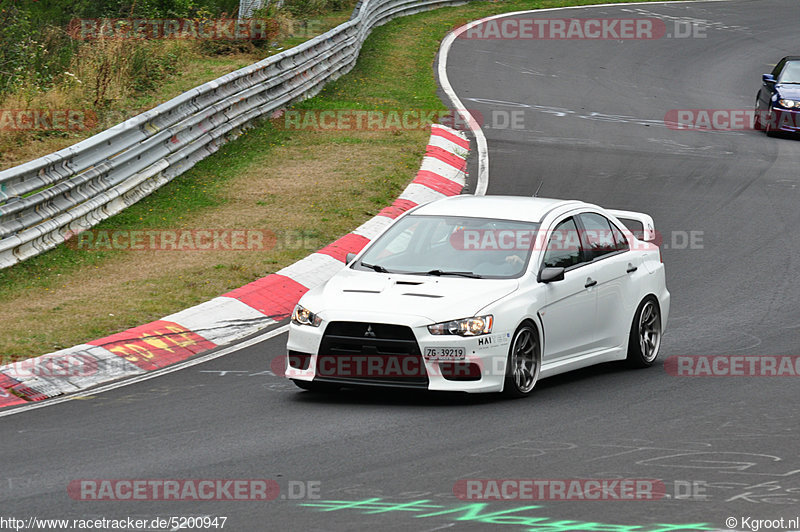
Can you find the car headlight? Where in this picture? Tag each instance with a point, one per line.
(303, 316)
(467, 327)
(789, 104)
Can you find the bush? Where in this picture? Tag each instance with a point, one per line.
(17, 48)
(36, 49)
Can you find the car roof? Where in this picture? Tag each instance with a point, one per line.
(500, 207)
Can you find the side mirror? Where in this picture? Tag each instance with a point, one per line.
(551, 275)
(768, 78)
(349, 258)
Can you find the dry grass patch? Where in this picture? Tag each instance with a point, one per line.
(114, 80)
(106, 101)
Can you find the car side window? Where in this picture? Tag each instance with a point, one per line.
(619, 238)
(597, 236)
(563, 246)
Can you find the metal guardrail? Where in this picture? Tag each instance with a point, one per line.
(45, 201)
(246, 7)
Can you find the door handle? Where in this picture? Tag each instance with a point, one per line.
(631, 268)
(589, 283)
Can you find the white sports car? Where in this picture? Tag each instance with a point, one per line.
(485, 294)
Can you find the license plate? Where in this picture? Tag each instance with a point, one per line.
(444, 353)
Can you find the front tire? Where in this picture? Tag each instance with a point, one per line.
(645, 337)
(768, 126)
(758, 125)
(524, 362)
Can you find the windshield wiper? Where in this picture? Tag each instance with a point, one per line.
(377, 267)
(446, 272)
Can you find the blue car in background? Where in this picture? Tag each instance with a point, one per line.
(778, 100)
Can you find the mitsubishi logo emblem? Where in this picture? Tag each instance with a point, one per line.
(370, 333)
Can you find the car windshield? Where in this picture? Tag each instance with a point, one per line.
(456, 246)
(791, 73)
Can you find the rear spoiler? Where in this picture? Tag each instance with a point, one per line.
(640, 224)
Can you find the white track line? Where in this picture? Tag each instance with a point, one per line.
(480, 138)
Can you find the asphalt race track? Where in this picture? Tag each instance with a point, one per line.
(592, 127)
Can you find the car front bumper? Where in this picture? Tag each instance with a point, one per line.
(367, 360)
(787, 120)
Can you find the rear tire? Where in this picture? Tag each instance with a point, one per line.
(316, 387)
(644, 341)
(524, 362)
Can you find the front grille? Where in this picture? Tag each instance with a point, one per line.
(370, 353)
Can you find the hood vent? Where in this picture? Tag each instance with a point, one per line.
(422, 295)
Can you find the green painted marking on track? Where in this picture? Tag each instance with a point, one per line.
(480, 513)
